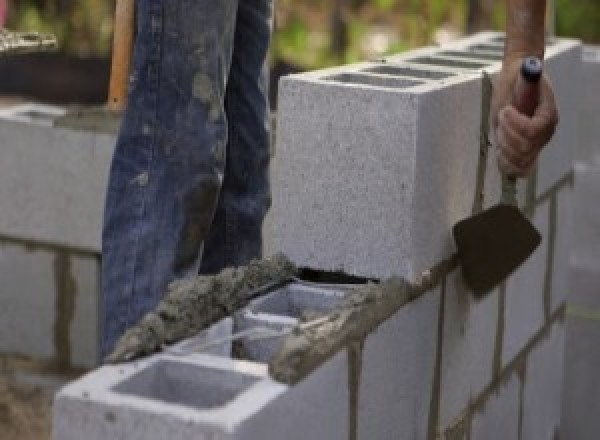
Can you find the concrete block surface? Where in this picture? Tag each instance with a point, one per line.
(586, 246)
(563, 65)
(369, 180)
(524, 299)
(398, 369)
(50, 298)
(498, 419)
(469, 344)
(278, 312)
(202, 397)
(589, 149)
(53, 183)
(542, 398)
(562, 249)
(581, 405)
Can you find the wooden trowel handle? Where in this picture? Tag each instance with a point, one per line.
(121, 55)
(527, 89)
(525, 99)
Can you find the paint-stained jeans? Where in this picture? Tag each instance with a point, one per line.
(188, 187)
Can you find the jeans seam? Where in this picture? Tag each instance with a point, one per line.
(156, 16)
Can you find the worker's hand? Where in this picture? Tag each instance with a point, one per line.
(519, 138)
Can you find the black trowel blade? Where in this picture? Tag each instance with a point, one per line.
(492, 244)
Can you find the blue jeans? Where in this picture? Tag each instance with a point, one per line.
(188, 187)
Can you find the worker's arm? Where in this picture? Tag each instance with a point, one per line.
(520, 138)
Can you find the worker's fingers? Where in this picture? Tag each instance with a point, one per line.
(511, 167)
(537, 130)
(515, 153)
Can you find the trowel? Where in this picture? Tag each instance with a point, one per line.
(492, 244)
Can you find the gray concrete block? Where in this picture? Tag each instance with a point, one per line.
(469, 344)
(563, 245)
(316, 408)
(370, 180)
(398, 369)
(584, 287)
(498, 419)
(589, 148)
(581, 405)
(215, 340)
(278, 312)
(524, 300)
(542, 395)
(49, 299)
(203, 397)
(586, 246)
(52, 181)
(28, 301)
(563, 66)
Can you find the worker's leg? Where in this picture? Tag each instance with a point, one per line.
(235, 236)
(169, 160)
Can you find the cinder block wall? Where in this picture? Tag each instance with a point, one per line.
(581, 405)
(374, 164)
(52, 186)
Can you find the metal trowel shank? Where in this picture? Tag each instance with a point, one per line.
(492, 244)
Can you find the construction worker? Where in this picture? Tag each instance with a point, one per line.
(188, 187)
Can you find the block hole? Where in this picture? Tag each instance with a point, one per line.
(408, 71)
(372, 80)
(186, 384)
(299, 302)
(435, 61)
(279, 312)
(498, 48)
(471, 55)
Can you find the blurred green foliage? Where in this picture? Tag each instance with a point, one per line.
(313, 33)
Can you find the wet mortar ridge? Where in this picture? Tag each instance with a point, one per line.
(192, 305)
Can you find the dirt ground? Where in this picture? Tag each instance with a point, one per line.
(25, 411)
(26, 392)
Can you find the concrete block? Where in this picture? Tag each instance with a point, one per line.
(278, 312)
(586, 246)
(84, 328)
(563, 245)
(51, 174)
(498, 419)
(215, 340)
(398, 369)
(28, 301)
(584, 287)
(369, 180)
(50, 302)
(370, 176)
(542, 398)
(202, 397)
(469, 345)
(581, 405)
(524, 299)
(563, 66)
(589, 146)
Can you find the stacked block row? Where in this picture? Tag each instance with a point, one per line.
(52, 188)
(374, 165)
(582, 386)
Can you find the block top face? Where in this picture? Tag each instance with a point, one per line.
(33, 113)
(297, 300)
(203, 389)
(186, 384)
(591, 54)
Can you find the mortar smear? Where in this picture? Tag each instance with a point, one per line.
(310, 345)
(192, 305)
